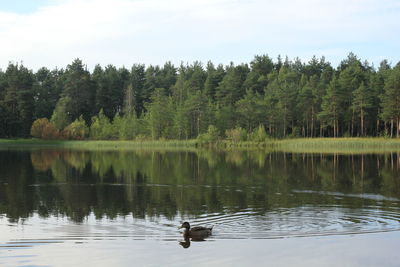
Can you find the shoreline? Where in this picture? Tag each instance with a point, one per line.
(297, 145)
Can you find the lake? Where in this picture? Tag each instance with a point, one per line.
(123, 208)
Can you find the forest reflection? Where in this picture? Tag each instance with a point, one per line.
(171, 183)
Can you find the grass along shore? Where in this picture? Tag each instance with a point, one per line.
(301, 145)
(338, 145)
(95, 144)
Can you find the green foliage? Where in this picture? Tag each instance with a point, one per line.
(60, 117)
(250, 110)
(159, 115)
(362, 102)
(79, 86)
(17, 100)
(77, 130)
(259, 134)
(214, 77)
(46, 92)
(307, 105)
(391, 100)
(100, 129)
(129, 101)
(288, 98)
(195, 109)
(236, 135)
(211, 136)
(134, 93)
(225, 117)
(332, 108)
(287, 94)
(181, 123)
(127, 127)
(108, 84)
(231, 88)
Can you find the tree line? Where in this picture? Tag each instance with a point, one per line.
(266, 97)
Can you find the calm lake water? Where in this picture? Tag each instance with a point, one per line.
(123, 208)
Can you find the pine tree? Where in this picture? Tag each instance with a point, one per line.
(46, 92)
(81, 89)
(18, 100)
(287, 94)
(331, 107)
(306, 107)
(361, 103)
(214, 77)
(249, 110)
(231, 88)
(391, 101)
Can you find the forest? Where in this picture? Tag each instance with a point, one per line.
(253, 101)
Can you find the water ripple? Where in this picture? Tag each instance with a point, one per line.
(247, 223)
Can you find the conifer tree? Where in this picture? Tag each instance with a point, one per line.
(331, 107)
(361, 103)
(391, 101)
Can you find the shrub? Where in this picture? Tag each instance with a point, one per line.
(127, 129)
(236, 135)
(211, 136)
(259, 134)
(44, 129)
(101, 127)
(76, 130)
(38, 126)
(50, 132)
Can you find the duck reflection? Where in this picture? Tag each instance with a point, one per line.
(187, 240)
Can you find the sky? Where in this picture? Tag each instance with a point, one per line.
(52, 33)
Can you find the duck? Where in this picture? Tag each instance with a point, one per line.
(197, 232)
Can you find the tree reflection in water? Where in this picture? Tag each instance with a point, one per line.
(171, 183)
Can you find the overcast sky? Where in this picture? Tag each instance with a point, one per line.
(52, 33)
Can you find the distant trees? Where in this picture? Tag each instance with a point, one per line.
(282, 97)
(108, 84)
(46, 90)
(17, 100)
(391, 101)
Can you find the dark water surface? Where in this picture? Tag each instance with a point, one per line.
(69, 208)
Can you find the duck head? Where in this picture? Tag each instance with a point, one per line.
(185, 225)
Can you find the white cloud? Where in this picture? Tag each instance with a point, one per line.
(122, 32)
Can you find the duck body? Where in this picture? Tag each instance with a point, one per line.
(197, 231)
